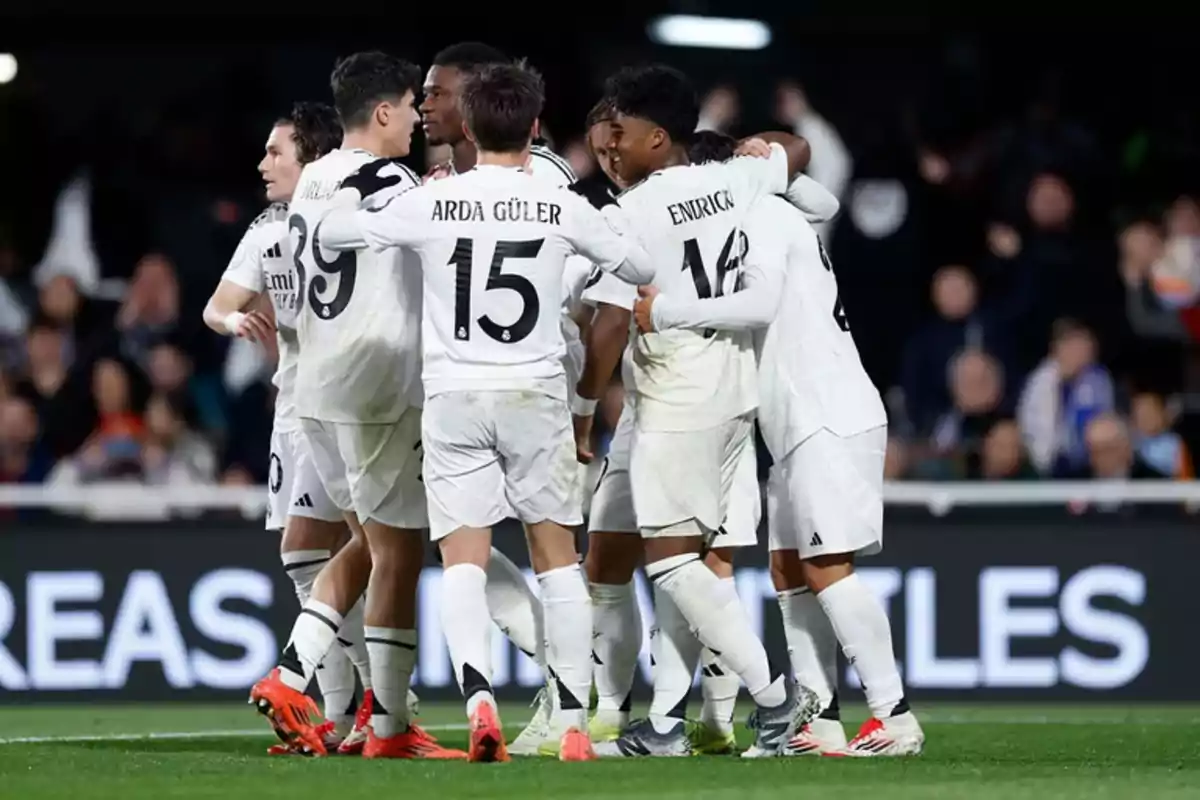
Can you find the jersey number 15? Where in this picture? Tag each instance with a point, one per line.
(464, 251)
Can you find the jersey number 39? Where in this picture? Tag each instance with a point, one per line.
(344, 266)
(464, 251)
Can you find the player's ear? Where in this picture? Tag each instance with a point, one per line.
(536, 131)
(467, 132)
(383, 113)
(658, 138)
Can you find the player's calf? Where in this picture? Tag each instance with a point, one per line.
(617, 636)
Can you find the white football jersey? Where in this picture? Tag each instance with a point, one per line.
(262, 262)
(359, 314)
(494, 244)
(810, 374)
(690, 218)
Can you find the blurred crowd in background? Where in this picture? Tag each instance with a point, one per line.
(1021, 277)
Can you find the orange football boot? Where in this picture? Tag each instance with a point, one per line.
(576, 745)
(290, 713)
(413, 743)
(354, 742)
(487, 737)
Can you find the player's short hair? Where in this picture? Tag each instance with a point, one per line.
(603, 111)
(500, 103)
(1067, 328)
(470, 56)
(315, 130)
(711, 146)
(658, 93)
(364, 80)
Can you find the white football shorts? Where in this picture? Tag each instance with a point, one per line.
(293, 486)
(492, 454)
(612, 502)
(372, 470)
(677, 476)
(826, 496)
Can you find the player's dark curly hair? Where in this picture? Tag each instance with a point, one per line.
(658, 93)
(364, 80)
(500, 103)
(603, 111)
(315, 130)
(470, 56)
(711, 146)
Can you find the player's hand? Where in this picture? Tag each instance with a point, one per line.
(437, 172)
(642, 308)
(583, 438)
(753, 147)
(256, 327)
(595, 193)
(370, 179)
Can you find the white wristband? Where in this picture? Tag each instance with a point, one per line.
(583, 407)
(233, 321)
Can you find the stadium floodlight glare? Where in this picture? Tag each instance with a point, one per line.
(8, 67)
(719, 33)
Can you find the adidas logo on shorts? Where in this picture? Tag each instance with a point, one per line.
(304, 501)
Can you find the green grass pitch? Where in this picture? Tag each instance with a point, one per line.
(977, 752)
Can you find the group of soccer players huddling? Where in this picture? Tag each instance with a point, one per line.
(441, 347)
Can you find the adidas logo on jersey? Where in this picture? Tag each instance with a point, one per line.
(304, 501)
(816, 540)
(275, 251)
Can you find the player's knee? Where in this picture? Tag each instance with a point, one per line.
(302, 533)
(821, 572)
(466, 546)
(787, 570)
(551, 546)
(612, 557)
(720, 561)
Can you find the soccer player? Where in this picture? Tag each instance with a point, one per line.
(312, 526)
(513, 606)
(826, 428)
(613, 553)
(695, 392)
(497, 431)
(358, 396)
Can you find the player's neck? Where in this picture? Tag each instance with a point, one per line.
(363, 140)
(517, 159)
(464, 155)
(677, 157)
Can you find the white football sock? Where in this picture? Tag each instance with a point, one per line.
(350, 637)
(568, 612)
(617, 642)
(312, 638)
(468, 633)
(812, 645)
(719, 623)
(514, 607)
(719, 684)
(393, 653)
(335, 676)
(863, 629)
(674, 651)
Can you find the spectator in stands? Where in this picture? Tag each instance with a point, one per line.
(977, 388)
(114, 448)
(24, 456)
(58, 395)
(174, 454)
(927, 356)
(1003, 455)
(1110, 453)
(150, 312)
(84, 320)
(1153, 440)
(831, 165)
(1061, 397)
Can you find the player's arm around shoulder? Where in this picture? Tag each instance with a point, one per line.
(596, 235)
(392, 215)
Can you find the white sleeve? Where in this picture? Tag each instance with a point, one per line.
(815, 202)
(603, 287)
(399, 222)
(591, 235)
(753, 177)
(245, 266)
(754, 306)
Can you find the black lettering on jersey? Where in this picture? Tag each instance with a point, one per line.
(839, 312)
(700, 207)
(457, 211)
(515, 209)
